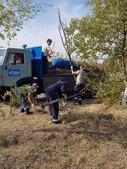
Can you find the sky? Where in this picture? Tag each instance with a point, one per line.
(44, 26)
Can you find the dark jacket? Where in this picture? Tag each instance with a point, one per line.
(55, 90)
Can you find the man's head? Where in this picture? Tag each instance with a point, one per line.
(35, 86)
(64, 86)
(49, 41)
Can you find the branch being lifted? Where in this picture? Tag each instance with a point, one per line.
(65, 44)
(61, 26)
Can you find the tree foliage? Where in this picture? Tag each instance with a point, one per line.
(13, 14)
(103, 36)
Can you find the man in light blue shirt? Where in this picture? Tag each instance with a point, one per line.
(46, 53)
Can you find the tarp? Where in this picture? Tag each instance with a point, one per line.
(62, 64)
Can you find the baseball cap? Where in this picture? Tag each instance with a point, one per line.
(35, 85)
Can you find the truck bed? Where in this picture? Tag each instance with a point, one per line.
(49, 79)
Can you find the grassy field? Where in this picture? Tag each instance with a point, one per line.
(91, 136)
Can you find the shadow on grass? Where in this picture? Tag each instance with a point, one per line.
(7, 141)
(96, 127)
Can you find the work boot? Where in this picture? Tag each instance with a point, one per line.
(55, 121)
(79, 101)
(76, 100)
(21, 109)
(27, 110)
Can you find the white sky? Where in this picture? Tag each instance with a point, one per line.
(45, 25)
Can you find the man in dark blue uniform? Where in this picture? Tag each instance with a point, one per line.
(53, 92)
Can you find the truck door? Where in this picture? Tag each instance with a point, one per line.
(15, 67)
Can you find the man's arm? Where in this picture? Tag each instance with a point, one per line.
(74, 72)
(50, 50)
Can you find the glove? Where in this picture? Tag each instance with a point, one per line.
(64, 103)
(71, 67)
(32, 105)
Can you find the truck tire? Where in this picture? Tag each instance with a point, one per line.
(24, 81)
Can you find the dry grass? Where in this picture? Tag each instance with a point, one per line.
(91, 136)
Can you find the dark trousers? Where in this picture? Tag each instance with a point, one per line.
(45, 65)
(77, 89)
(53, 107)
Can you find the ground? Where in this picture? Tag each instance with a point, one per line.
(91, 136)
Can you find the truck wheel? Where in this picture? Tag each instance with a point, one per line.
(21, 84)
(24, 81)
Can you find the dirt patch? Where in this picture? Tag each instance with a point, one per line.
(90, 136)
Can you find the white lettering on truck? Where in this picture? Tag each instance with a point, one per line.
(13, 72)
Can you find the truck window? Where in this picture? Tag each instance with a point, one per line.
(9, 58)
(17, 58)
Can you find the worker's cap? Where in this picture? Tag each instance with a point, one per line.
(64, 86)
(35, 85)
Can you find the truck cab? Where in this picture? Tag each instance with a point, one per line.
(15, 65)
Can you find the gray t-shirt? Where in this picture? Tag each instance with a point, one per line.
(80, 77)
(46, 49)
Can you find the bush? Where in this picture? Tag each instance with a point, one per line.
(110, 89)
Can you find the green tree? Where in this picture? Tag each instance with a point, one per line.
(13, 14)
(103, 36)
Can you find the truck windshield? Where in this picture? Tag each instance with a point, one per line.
(2, 54)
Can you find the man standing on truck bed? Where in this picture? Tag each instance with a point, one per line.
(46, 53)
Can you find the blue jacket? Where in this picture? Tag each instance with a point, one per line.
(55, 90)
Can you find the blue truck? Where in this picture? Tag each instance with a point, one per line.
(28, 70)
